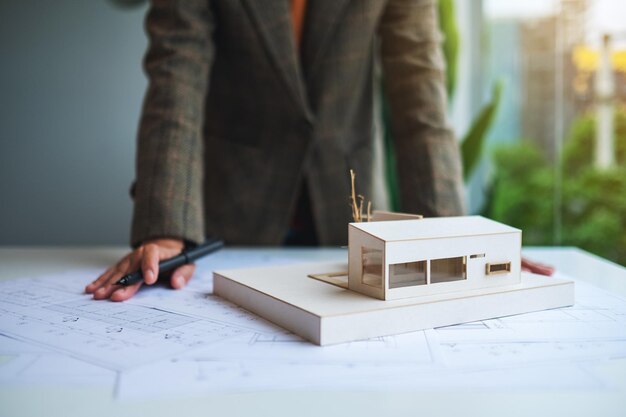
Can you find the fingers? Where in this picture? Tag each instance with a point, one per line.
(129, 264)
(106, 276)
(536, 267)
(542, 269)
(147, 259)
(182, 275)
(98, 282)
(150, 263)
(107, 289)
(109, 286)
(124, 293)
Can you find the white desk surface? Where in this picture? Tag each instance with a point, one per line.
(66, 401)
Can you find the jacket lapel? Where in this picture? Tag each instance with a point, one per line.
(273, 21)
(321, 20)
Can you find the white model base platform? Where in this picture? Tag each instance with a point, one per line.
(327, 314)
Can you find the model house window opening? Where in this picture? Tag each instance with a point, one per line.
(498, 268)
(407, 274)
(433, 271)
(448, 269)
(372, 267)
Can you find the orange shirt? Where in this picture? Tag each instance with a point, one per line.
(298, 7)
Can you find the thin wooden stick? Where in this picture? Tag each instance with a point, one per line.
(357, 202)
(361, 200)
(353, 196)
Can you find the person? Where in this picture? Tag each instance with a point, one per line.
(256, 111)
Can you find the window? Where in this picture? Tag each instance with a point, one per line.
(372, 267)
(502, 268)
(447, 270)
(407, 274)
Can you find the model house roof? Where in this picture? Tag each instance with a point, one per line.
(433, 228)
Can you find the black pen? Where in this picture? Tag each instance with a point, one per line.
(186, 257)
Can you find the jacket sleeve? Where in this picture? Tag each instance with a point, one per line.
(427, 154)
(168, 195)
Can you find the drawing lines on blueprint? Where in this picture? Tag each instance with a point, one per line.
(114, 335)
(279, 339)
(26, 293)
(594, 328)
(204, 306)
(126, 316)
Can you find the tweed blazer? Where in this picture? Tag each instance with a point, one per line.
(236, 116)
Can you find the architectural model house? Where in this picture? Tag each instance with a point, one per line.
(401, 276)
(408, 258)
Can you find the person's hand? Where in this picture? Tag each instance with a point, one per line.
(536, 267)
(146, 257)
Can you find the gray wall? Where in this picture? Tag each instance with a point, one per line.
(71, 87)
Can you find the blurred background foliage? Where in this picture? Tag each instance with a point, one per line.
(593, 200)
(450, 43)
(473, 141)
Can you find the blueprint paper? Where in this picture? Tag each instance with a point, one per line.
(202, 375)
(53, 333)
(25, 364)
(54, 312)
(114, 335)
(242, 258)
(204, 306)
(409, 348)
(53, 369)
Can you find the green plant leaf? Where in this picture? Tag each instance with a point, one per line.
(472, 144)
(450, 45)
(391, 174)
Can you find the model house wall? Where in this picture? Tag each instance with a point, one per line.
(407, 258)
